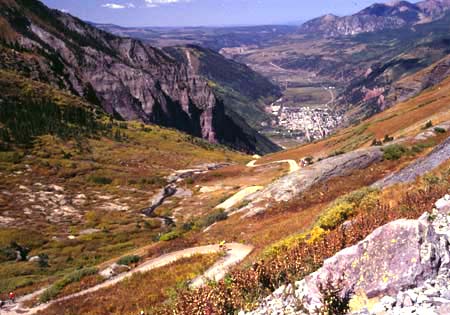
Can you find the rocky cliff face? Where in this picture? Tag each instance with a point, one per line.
(395, 81)
(126, 77)
(378, 17)
(242, 90)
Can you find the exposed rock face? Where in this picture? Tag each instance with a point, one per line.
(298, 182)
(397, 80)
(439, 155)
(398, 256)
(126, 77)
(378, 17)
(405, 89)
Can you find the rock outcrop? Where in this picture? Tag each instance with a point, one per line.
(439, 155)
(129, 79)
(396, 257)
(300, 181)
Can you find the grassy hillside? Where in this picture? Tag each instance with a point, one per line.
(68, 169)
(73, 182)
(291, 238)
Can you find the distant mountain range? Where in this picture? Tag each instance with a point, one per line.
(378, 17)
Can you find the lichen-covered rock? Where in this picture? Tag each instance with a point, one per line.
(396, 256)
(405, 263)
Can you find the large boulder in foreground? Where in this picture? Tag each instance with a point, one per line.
(394, 257)
(398, 256)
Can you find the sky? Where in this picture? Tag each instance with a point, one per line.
(204, 12)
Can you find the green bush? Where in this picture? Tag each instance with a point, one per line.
(100, 180)
(394, 152)
(336, 215)
(346, 206)
(170, 236)
(128, 260)
(216, 216)
(335, 298)
(10, 157)
(336, 153)
(59, 285)
(439, 130)
(154, 180)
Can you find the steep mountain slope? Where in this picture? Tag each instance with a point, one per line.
(240, 88)
(396, 80)
(65, 164)
(126, 77)
(377, 17)
(119, 172)
(293, 238)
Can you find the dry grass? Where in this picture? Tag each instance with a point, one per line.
(243, 288)
(147, 291)
(116, 177)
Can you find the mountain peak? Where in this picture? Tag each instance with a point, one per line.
(379, 16)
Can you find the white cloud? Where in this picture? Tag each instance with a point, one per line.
(117, 6)
(156, 3)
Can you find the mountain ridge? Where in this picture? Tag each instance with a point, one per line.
(377, 17)
(130, 79)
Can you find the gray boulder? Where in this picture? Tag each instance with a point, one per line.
(396, 256)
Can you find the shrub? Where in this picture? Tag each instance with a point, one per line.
(439, 130)
(335, 299)
(336, 153)
(10, 157)
(394, 152)
(170, 236)
(100, 180)
(336, 215)
(387, 139)
(316, 234)
(21, 250)
(128, 260)
(43, 261)
(7, 254)
(59, 285)
(431, 179)
(344, 207)
(154, 180)
(216, 216)
(429, 124)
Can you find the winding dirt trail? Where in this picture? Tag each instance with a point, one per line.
(235, 253)
(245, 192)
(293, 165)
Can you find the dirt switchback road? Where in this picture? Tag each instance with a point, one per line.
(234, 254)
